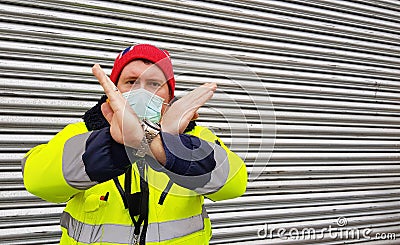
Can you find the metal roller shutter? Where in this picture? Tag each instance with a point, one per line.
(331, 69)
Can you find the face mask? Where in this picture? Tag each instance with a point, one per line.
(145, 104)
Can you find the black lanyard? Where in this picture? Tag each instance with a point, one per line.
(137, 203)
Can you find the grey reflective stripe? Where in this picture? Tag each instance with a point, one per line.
(204, 212)
(220, 173)
(72, 164)
(123, 234)
(87, 233)
(158, 232)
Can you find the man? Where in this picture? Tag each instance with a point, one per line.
(137, 169)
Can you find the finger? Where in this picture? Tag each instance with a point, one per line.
(107, 112)
(103, 79)
(204, 89)
(116, 99)
(212, 86)
(195, 99)
(200, 97)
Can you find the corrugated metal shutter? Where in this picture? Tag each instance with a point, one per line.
(331, 69)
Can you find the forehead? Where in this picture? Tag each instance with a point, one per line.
(142, 68)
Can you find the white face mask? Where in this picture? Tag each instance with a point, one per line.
(145, 104)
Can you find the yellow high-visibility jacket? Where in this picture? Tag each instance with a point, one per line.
(95, 212)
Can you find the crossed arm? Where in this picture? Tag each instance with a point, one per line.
(125, 126)
(68, 166)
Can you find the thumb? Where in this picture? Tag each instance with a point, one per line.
(108, 113)
(195, 116)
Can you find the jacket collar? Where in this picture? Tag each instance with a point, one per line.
(94, 118)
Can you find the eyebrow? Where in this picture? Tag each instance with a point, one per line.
(156, 80)
(134, 77)
(131, 77)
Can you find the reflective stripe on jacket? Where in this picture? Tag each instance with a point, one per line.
(89, 218)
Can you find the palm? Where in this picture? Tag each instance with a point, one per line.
(178, 116)
(125, 127)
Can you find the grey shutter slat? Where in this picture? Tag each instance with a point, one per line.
(329, 149)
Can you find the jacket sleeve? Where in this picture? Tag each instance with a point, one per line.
(42, 167)
(201, 162)
(73, 161)
(227, 164)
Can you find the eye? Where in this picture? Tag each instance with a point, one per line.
(155, 84)
(133, 82)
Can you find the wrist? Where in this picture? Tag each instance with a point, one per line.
(157, 149)
(151, 131)
(169, 129)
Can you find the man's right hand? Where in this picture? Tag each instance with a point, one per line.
(125, 126)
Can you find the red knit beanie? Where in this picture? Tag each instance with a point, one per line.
(148, 52)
